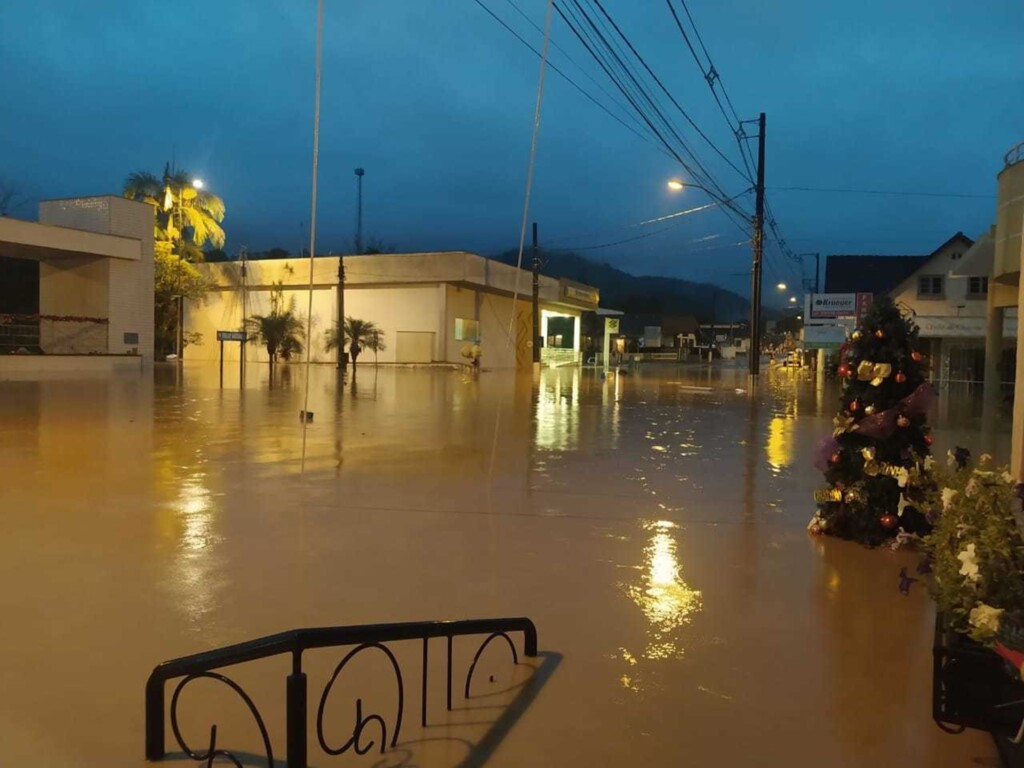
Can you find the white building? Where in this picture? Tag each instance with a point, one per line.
(950, 307)
(94, 269)
(430, 306)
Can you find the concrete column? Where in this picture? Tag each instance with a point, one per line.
(576, 342)
(993, 355)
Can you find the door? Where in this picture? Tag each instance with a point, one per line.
(414, 347)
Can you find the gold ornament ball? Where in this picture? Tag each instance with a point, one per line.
(869, 409)
(879, 334)
(902, 421)
(856, 335)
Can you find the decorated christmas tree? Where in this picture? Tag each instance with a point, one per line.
(878, 459)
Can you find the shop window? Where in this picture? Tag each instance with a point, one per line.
(467, 330)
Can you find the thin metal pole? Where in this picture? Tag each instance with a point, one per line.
(755, 287)
(817, 273)
(312, 220)
(536, 298)
(359, 208)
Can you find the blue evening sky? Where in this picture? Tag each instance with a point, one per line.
(435, 100)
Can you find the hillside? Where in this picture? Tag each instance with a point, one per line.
(643, 295)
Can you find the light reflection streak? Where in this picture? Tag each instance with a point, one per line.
(667, 602)
(195, 510)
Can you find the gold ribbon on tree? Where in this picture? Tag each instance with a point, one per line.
(828, 494)
(876, 373)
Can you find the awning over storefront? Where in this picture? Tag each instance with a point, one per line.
(979, 259)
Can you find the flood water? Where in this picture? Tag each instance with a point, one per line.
(651, 525)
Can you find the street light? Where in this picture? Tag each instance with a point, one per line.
(781, 286)
(197, 183)
(676, 185)
(792, 299)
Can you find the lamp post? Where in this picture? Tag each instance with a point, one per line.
(359, 208)
(757, 239)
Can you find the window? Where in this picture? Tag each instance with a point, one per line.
(977, 287)
(930, 286)
(467, 330)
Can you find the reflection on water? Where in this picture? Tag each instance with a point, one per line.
(780, 442)
(558, 412)
(191, 524)
(667, 602)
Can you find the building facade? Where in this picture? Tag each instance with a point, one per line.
(91, 262)
(431, 307)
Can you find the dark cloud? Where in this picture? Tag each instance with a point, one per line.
(435, 100)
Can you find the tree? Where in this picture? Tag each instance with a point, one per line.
(186, 217)
(173, 277)
(358, 335)
(281, 331)
(877, 463)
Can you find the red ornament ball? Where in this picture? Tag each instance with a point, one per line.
(843, 370)
(854, 405)
(879, 334)
(901, 377)
(916, 356)
(887, 521)
(836, 457)
(927, 439)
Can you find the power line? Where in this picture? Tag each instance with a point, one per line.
(902, 193)
(667, 93)
(564, 76)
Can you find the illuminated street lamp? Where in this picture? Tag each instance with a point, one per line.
(781, 286)
(197, 183)
(792, 299)
(676, 185)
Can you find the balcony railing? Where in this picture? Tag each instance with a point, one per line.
(1015, 155)
(372, 637)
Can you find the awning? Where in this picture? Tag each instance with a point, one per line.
(979, 259)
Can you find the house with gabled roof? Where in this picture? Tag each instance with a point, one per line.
(948, 304)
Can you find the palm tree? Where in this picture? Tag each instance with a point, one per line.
(186, 217)
(376, 343)
(358, 334)
(281, 331)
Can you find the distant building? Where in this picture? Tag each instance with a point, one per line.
(430, 306)
(949, 305)
(84, 277)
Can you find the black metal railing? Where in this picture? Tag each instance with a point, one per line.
(363, 638)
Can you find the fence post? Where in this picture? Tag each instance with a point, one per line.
(296, 718)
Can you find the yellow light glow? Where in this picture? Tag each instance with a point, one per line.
(792, 299)
(197, 183)
(780, 443)
(781, 286)
(667, 601)
(676, 185)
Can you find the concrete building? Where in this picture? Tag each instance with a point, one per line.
(84, 276)
(430, 306)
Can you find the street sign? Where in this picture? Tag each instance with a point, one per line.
(611, 325)
(833, 305)
(864, 302)
(231, 336)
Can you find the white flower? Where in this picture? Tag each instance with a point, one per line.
(929, 462)
(950, 458)
(985, 617)
(970, 564)
(972, 488)
(947, 498)
(817, 524)
(985, 458)
(1006, 477)
(903, 477)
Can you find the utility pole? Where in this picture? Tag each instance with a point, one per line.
(359, 216)
(340, 330)
(817, 273)
(755, 280)
(536, 300)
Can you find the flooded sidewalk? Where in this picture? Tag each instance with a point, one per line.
(651, 525)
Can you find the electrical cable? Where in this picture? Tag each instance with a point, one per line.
(901, 193)
(568, 79)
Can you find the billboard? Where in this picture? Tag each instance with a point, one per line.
(827, 306)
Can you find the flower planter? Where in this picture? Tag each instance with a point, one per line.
(971, 688)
